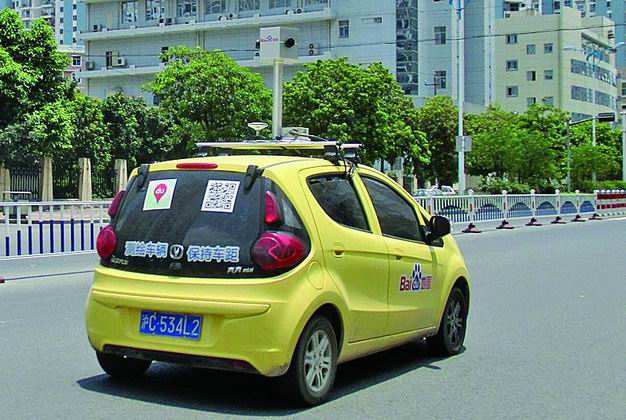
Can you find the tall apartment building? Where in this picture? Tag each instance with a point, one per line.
(124, 39)
(546, 58)
(66, 17)
(437, 50)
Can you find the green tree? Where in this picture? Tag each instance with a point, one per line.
(90, 137)
(37, 65)
(209, 96)
(346, 102)
(438, 119)
(493, 133)
(586, 159)
(135, 131)
(46, 132)
(609, 141)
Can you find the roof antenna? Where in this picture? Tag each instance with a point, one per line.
(258, 127)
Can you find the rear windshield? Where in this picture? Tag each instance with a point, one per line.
(195, 224)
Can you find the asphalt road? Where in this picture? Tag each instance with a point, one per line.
(546, 339)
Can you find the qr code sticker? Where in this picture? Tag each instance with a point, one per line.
(220, 196)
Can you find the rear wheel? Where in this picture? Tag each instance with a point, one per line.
(122, 367)
(312, 372)
(449, 339)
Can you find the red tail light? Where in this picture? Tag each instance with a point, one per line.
(115, 204)
(197, 166)
(106, 242)
(272, 209)
(277, 250)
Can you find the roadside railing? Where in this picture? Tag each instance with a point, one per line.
(472, 209)
(70, 227)
(51, 227)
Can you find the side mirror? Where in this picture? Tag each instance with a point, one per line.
(439, 227)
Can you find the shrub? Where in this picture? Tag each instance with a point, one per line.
(610, 185)
(496, 185)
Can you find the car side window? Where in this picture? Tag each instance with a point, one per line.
(337, 196)
(397, 218)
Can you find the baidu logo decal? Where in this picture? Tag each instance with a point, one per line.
(416, 282)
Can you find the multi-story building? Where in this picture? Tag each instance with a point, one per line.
(76, 65)
(549, 58)
(437, 50)
(66, 17)
(124, 39)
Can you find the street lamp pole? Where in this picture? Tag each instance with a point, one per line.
(593, 145)
(460, 87)
(624, 146)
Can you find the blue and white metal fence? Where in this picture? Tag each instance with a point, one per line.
(471, 209)
(51, 227)
(69, 227)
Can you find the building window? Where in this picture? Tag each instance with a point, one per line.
(61, 31)
(531, 75)
(548, 74)
(557, 5)
(548, 48)
(76, 17)
(548, 100)
(275, 4)
(344, 29)
(73, 40)
(108, 58)
(249, 5)
(61, 9)
(531, 49)
(440, 79)
(315, 2)
(74, 28)
(61, 20)
(129, 11)
(531, 101)
(512, 91)
(74, 6)
(440, 35)
(76, 60)
(187, 8)
(154, 9)
(582, 94)
(374, 20)
(511, 38)
(511, 65)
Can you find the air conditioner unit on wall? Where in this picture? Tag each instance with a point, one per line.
(90, 65)
(232, 16)
(222, 18)
(120, 62)
(314, 48)
(97, 28)
(290, 12)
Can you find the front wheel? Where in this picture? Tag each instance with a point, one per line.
(449, 339)
(122, 367)
(314, 365)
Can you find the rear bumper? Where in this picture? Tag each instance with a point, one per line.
(246, 327)
(182, 359)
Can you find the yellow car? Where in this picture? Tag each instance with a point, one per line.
(269, 264)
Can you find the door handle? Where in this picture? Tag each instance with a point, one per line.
(398, 254)
(338, 249)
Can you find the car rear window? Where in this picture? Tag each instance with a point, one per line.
(195, 224)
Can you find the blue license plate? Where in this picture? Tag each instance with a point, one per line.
(170, 325)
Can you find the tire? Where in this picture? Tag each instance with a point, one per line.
(122, 367)
(316, 355)
(449, 339)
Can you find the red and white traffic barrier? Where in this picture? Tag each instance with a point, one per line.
(611, 202)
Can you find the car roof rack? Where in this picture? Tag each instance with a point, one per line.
(334, 151)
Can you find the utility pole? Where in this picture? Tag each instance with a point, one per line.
(460, 85)
(593, 144)
(624, 146)
(277, 100)
(434, 84)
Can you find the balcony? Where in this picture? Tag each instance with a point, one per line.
(256, 20)
(132, 70)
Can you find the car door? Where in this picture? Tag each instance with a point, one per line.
(410, 294)
(355, 258)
